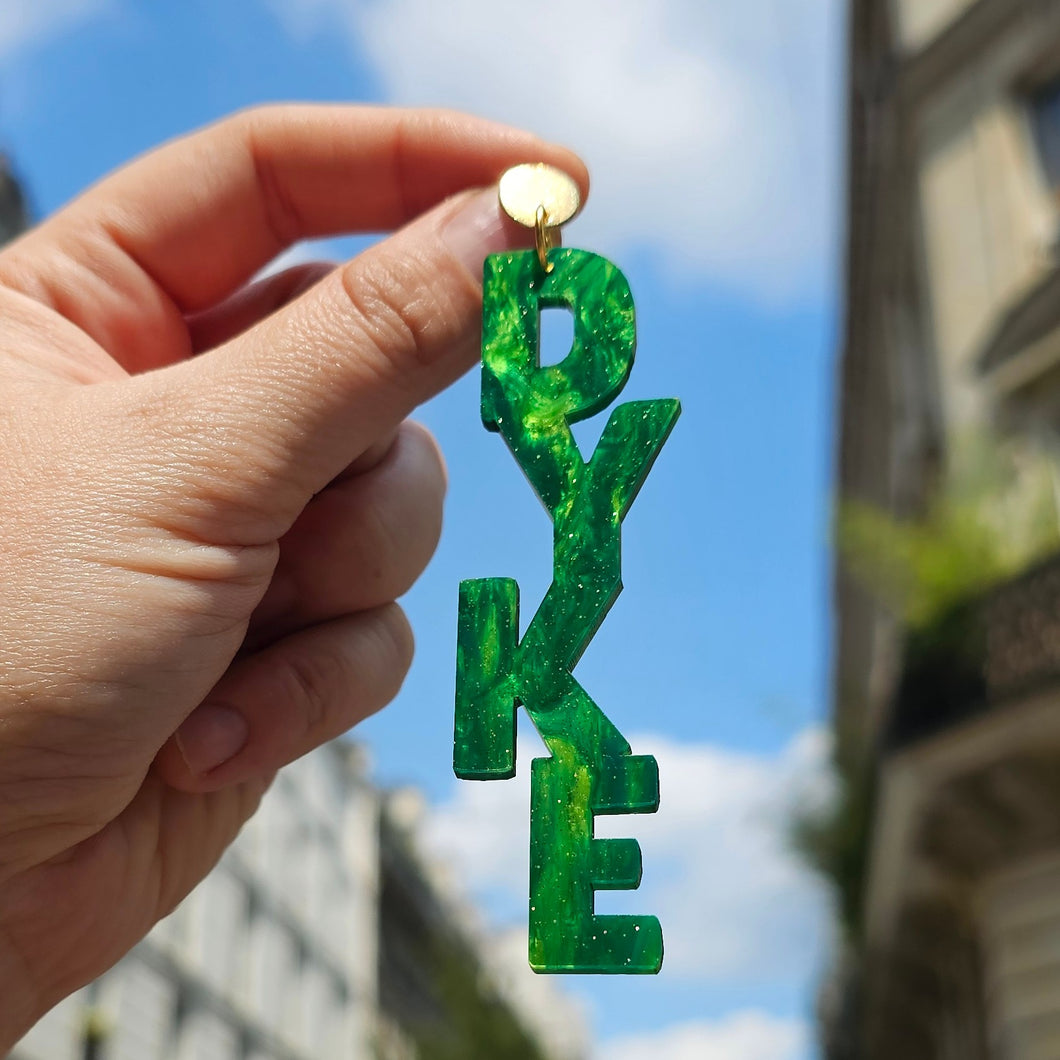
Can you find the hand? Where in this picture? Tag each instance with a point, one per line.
(199, 550)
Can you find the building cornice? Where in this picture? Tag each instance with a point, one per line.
(963, 45)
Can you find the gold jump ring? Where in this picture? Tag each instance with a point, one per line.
(543, 237)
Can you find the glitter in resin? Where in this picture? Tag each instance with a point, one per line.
(591, 770)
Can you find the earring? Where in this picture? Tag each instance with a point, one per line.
(591, 769)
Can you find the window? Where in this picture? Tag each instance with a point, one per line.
(1045, 117)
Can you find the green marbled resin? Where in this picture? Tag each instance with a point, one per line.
(591, 770)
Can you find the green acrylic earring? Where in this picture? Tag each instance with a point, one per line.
(591, 769)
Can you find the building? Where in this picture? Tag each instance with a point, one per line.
(949, 740)
(323, 934)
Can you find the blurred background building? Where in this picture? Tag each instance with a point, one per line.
(945, 847)
(323, 934)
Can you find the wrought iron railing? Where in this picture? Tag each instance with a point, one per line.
(990, 651)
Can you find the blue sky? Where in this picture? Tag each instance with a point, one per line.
(711, 129)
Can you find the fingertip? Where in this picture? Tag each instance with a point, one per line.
(172, 769)
(572, 164)
(506, 143)
(394, 628)
(290, 698)
(212, 735)
(422, 436)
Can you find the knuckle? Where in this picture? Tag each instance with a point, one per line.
(373, 656)
(281, 214)
(402, 308)
(253, 114)
(257, 128)
(311, 680)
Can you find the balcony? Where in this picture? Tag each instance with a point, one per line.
(962, 910)
(998, 649)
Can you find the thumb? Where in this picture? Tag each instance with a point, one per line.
(269, 418)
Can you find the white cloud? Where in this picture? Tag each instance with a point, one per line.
(747, 1035)
(26, 24)
(735, 903)
(711, 127)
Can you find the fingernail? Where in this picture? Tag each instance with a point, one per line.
(210, 736)
(480, 228)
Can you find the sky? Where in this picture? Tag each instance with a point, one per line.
(712, 131)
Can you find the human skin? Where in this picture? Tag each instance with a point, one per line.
(210, 498)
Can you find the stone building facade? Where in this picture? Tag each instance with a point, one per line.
(952, 319)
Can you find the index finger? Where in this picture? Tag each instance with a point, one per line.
(202, 214)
